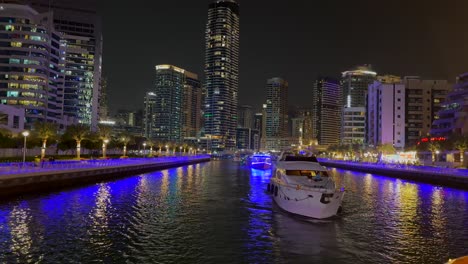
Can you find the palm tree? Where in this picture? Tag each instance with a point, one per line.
(125, 138)
(462, 145)
(78, 132)
(151, 143)
(434, 148)
(104, 135)
(45, 131)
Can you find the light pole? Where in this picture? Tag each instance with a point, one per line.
(180, 151)
(167, 150)
(104, 147)
(437, 156)
(144, 148)
(25, 134)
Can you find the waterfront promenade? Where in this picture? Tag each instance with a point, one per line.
(16, 178)
(437, 175)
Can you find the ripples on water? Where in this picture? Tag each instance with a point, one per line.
(219, 212)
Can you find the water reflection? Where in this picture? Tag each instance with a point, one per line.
(219, 212)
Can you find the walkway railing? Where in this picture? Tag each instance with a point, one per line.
(13, 168)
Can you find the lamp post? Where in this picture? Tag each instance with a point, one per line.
(144, 148)
(167, 150)
(437, 155)
(104, 147)
(25, 134)
(180, 151)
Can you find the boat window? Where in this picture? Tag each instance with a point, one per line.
(306, 173)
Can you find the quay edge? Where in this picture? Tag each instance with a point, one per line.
(14, 185)
(441, 179)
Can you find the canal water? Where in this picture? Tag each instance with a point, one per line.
(219, 212)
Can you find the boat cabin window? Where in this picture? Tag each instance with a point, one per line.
(306, 173)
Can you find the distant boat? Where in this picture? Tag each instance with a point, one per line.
(300, 185)
(260, 161)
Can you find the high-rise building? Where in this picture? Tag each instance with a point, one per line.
(424, 100)
(82, 40)
(326, 111)
(192, 106)
(452, 119)
(222, 73)
(245, 116)
(276, 108)
(247, 138)
(173, 106)
(297, 126)
(354, 85)
(103, 108)
(386, 114)
(31, 64)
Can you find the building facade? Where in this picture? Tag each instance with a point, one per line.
(31, 64)
(245, 116)
(173, 106)
(386, 114)
(247, 139)
(354, 85)
(423, 101)
(326, 113)
(276, 118)
(82, 40)
(452, 118)
(222, 73)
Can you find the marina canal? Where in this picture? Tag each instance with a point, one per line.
(219, 212)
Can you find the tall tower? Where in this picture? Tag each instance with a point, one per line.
(222, 73)
(82, 41)
(326, 103)
(169, 107)
(277, 108)
(354, 85)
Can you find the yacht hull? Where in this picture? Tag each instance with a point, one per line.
(310, 203)
(261, 166)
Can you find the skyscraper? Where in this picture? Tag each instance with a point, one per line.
(222, 73)
(172, 106)
(354, 84)
(276, 108)
(82, 40)
(245, 116)
(326, 111)
(31, 64)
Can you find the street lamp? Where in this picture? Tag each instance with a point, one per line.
(167, 150)
(104, 147)
(437, 155)
(25, 134)
(144, 148)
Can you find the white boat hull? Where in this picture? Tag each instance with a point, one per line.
(309, 203)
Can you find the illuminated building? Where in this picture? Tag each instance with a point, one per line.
(453, 116)
(12, 118)
(354, 85)
(222, 73)
(247, 138)
(172, 108)
(245, 116)
(276, 108)
(423, 101)
(297, 127)
(386, 114)
(31, 64)
(82, 40)
(326, 111)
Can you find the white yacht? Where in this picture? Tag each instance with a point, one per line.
(300, 185)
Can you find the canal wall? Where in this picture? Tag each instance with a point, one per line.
(457, 178)
(21, 182)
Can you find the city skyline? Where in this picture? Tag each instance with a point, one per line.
(425, 50)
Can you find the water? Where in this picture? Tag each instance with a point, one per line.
(219, 212)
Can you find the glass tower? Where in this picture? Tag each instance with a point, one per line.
(222, 74)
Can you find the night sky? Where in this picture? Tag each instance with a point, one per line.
(296, 40)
